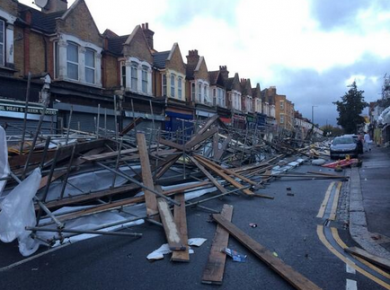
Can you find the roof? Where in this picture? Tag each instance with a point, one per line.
(115, 44)
(229, 83)
(213, 76)
(45, 22)
(160, 59)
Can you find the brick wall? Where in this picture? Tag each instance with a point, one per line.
(9, 6)
(202, 73)
(138, 47)
(37, 53)
(111, 71)
(176, 62)
(81, 24)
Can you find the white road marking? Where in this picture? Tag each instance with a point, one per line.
(351, 285)
(350, 269)
(32, 258)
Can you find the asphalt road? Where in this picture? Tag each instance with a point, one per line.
(287, 225)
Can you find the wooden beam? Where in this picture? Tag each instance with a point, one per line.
(171, 231)
(293, 277)
(171, 144)
(150, 198)
(166, 165)
(224, 176)
(208, 175)
(130, 126)
(381, 262)
(180, 218)
(215, 267)
(107, 155)
(230, 172)
(200, 138)
(206, 125)
(219, 153)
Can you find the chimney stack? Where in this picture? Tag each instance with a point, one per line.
(55, 6)
(192, 57)
(224, 72)
(148, 34)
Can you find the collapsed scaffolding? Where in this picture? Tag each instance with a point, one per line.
(80, 184)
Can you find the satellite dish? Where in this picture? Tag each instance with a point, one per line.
(41, 3)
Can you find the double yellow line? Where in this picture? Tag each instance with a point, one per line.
(324, 204)
(337, 239)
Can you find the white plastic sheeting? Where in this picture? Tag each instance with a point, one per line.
(384, 118)
(164, 249)
(4, 167)
(17, 212)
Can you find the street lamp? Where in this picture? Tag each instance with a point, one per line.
(312, 114)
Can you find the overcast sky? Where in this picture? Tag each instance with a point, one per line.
(309, 49)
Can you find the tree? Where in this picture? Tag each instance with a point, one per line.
(350, 107)
(330, 131)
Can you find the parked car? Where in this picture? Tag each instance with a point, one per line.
(343, 146)
(359, 140)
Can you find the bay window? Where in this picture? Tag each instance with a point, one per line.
(123, 74)
(90, 66)
(134, 76)
(200, 93)
(164, 85)
(145, 79)
(173, 85)
(72, 60)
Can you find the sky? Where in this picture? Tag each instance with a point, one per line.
(311, 50)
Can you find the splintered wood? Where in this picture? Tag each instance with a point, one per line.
(181, 223)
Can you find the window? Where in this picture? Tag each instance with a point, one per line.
(134, 76)
(72, 59)
(179, 87)
(2, 42)
(145, 79)
(90, 66)
(164, 84)
(220, 97)
(281, 119)
(172, 85)
(206, 99)
(281, 105)
(123, 70)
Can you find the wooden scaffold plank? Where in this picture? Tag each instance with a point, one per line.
(181, 222)
(293, 277)
(215, 267)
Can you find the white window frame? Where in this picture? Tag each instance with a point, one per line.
(134, 76)
(60, 44)
(2, 44)
(172, 85)
(144, 79)
(123, 74)
(89, 67)
(200, 92)
(164, 85)
(281, 119)
(77, 64)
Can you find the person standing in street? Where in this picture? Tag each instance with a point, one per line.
(367, 142)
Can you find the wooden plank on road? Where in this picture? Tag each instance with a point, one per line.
(171, 231)
(215, 267)
(180, 217)
(150, 198)
(293, 277)
(223, 175)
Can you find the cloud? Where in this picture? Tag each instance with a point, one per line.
(307, 87)
(181, 13)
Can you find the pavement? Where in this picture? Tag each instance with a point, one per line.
(369, 204)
